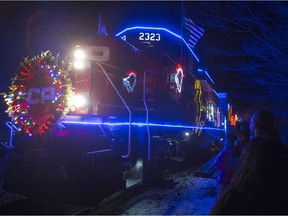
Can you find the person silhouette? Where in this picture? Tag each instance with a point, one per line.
(262, 124)
(260, 184)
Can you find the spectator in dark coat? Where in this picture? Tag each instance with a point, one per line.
(260, 184)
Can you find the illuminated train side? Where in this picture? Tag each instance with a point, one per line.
(144, 84)
(141, 105)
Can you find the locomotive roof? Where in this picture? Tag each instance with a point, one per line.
(167, 41)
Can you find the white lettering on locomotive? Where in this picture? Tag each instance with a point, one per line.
(37, 95)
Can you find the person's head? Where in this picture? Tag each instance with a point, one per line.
(262, 123)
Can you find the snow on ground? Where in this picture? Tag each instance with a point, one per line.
(180, 194)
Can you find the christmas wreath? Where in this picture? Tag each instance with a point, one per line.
(39, 94)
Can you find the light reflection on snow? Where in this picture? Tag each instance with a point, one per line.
(180, 194)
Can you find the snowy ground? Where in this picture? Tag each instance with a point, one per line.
(183, 193)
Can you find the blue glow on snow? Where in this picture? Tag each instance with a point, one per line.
(161, 29)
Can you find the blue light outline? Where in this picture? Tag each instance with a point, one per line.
(162, 29)
(209, 76)
(199, 69)
(140, 124)
(216, 93)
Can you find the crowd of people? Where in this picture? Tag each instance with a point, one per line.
(253, 170)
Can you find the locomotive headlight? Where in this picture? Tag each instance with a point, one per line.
(78, 64)
(78, 101)
(79, 58)
(79, 54)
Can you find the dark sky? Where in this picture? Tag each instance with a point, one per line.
(27, 28)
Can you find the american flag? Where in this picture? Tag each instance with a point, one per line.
(194, 32)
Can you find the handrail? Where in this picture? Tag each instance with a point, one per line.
(123, 101)
(13, 128)
(147, 113)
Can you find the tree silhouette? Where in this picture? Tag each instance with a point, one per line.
(247, 41)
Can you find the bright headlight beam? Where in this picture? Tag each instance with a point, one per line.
(78, 101)
(78, 64)
(79, 54)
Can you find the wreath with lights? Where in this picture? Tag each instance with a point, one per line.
(39, 94)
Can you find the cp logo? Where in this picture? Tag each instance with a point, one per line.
(37, 95)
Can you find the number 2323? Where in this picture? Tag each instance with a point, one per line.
(149, 36)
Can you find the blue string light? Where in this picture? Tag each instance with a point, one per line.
(139, 124)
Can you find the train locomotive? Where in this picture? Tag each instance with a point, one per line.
(141, 106)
